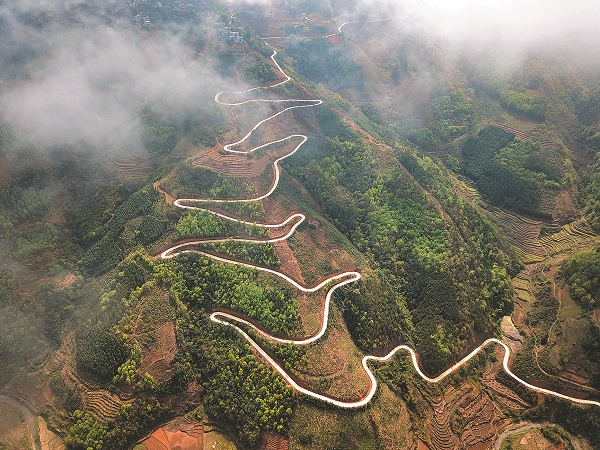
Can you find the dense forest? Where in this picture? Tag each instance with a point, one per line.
(509, 172)
(582, 274)
(322, 62)
(387, 215)
(591, 194)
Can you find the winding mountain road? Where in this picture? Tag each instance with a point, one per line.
(339, 280)
(339, 31)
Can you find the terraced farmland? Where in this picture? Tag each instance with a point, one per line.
(521, 284)
(504, 394)
(571, 236)
(523, 233)
(467, 190)
(103, 405)
(535, 135)
(231, 165)
(518, 133)
(483, 417)
(177, 434)
(440, 434)
(273, 441)
(132, 169)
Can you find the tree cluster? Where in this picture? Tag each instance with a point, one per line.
(323, 62)
(238, 390)
(100, 353)
(510, 173)
(582, 272)
(452, 114)
(444, 267)
(261, 72)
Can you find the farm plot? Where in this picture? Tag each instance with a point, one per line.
(177, 434)
(483, 420)
(103, 405)
(440, 433)
(132, 169)
(521, 284)
(571, 236)
(523, 233)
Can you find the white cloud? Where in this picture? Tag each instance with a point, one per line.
(87, 83)
(511, 21)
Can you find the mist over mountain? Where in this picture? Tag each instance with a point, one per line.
(78, 78)
(494, 22)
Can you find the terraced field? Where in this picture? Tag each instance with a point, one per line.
(571, 236)
(518, 133)
(233, 165)
(521, 284)
(177, 434)
(103, 405)
(523, 233)
(440, 434)
(467, 190)
(464, 417)
(535, 135)
(483, 417)
(131, 169)
(273, 441)
(504, 394)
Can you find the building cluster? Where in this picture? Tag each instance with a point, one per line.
(134, 4)
(176, 6)
(230, 35)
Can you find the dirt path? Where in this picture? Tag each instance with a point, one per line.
(536, 350)
(502, 436)
(30, 420)
(512, 431)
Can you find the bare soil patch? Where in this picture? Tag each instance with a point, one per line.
(273, 441)
(596, 316)
(179, 434)
(289, 265)
(334, 363)
(48, 439)
(13, 430)
(565, 208)
(67, 281)
(157, 359)
(534, 440)
(168, 197)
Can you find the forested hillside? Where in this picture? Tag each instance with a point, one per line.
(413, 242)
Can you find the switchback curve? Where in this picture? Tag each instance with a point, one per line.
(229, 319)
